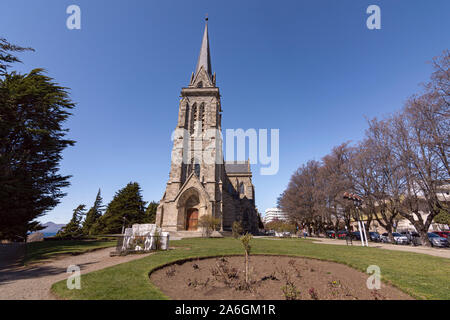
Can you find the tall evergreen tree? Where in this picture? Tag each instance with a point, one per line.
(94, 213)
(7, 54)
(127, 203)
(150, 212)
(33, 109)
(73, 228)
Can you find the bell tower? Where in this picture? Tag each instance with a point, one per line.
(197, 159)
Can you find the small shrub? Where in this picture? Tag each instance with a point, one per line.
(313, 294)
(297, 270)
(170, 272)
(223, 273)
(242, 285)
(334, 284)
(237, 229)
(208, 224)
(245, 240)
(290, 291)
(195, 283)
(376, 295)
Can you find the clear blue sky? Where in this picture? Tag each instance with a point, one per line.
(309, 68)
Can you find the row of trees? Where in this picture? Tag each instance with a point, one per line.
(400, 168)
(33, 109)
(127, 203)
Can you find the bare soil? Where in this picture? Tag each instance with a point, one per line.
(271, 278)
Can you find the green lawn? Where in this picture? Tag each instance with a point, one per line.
(422, 276)
(42, 250)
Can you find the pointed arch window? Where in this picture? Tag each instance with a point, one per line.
(194, 166)
(197, 169)
(241, 188)
(193, 117)
(202, 116)
(230, 189)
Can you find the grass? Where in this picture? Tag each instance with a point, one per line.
(43, 250)
(422, 276)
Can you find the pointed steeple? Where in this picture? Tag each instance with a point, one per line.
(204, 58)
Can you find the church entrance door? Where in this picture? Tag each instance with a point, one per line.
(192, 219)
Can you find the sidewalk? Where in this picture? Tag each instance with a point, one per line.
(33, 282)
(443, 253)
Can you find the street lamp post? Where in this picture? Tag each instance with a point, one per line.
(357, 202)
(123, 224)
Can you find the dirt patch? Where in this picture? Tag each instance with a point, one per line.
(271, 278)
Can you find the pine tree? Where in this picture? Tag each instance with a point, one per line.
(150, 212)
(73, 228)
(7, 56)
(94, 213)
(127, 203)
(33, 109)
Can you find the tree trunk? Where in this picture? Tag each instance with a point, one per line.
(246, 267)
(390, 236)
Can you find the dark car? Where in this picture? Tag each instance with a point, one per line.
(331, 234)
(357, 236)
(374, 236)
(443, 234)
(437, 241)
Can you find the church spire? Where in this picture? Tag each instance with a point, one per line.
(204, 58)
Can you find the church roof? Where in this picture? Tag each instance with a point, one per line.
(237, 167)
(204, 58)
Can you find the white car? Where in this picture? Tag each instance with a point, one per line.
(398, 238)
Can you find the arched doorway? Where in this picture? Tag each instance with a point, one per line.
(192, 212)
(192, 219)
(191, 206)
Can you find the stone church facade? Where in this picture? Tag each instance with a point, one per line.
(200, 182)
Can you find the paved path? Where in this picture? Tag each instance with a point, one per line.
(443, 253)
(34, 282)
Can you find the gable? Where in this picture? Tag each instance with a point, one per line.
(193, 182)
(201, 80)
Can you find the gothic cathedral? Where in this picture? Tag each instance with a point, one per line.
(200, 182)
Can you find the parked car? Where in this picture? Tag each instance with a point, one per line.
(437, 241)
(356, 235)
(413, 237)
(330, 234)
(443, 234)
(398, 238)
(342, 234)
(374, 236)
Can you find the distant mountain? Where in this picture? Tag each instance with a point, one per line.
(51, 227)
